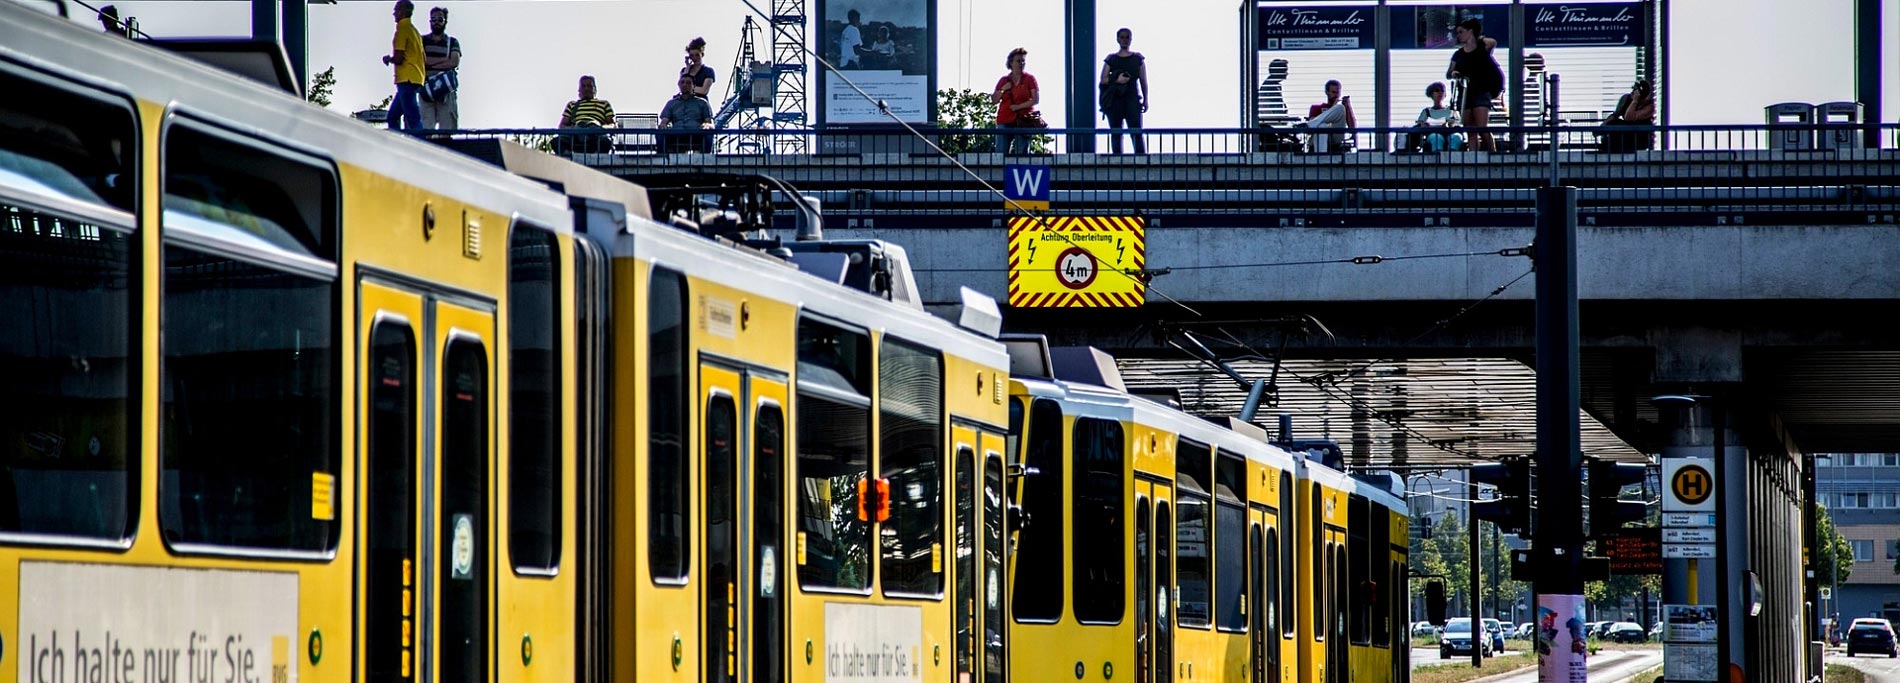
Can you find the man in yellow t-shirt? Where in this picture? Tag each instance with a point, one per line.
(405, 111)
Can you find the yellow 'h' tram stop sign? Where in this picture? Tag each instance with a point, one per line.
(1077, 262)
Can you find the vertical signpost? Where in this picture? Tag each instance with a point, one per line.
(1690, 633)
(1557, 557)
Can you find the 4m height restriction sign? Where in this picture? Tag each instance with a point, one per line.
(1076, 262)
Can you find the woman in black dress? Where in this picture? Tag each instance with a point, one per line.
(1484, 81)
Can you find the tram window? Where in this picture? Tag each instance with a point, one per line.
(534, 400)
(993, 631)
(834, 456)
(247, 197)
(1275, 609)
(1381, 552)
(1039, 567)
(65, 294)
(667, 358)
(1321, 553)
(1358, 557)
(68, 452)
(1015, 435)
(1230, 526)
(1144, 589)
(465, 506)
(1194, 543)
(1099, 570)
(1230, 522)
(1288, 590)
(250, 366)
(965, 555)
(910, 408)
(58, 141)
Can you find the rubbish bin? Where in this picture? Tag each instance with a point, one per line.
(1838, 113)
(1800, 113)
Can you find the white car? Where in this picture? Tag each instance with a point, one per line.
(1424, 628)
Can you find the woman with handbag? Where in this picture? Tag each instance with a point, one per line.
(1016, 96)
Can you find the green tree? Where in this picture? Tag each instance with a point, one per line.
(964, 109)
(1840, 558)
(322, 86)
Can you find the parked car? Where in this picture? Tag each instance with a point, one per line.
(1496, 631)
(1872, 635)
(1423, 628)
(1602, 629)
(1655, 631)
(1626, 632)
(1525, 631)
(1458, 639)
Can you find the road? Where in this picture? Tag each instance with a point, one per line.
(1879, 668)
(1427, 655)
(1608, 666)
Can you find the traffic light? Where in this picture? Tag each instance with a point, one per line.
(1511, 509)
(1607, 512)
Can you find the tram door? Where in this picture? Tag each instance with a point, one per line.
(1154, 583)
(1262, 592)
(979, 556)
(427, 386)
(742, 595)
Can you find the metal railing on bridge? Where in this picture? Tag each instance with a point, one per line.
(1803, 173)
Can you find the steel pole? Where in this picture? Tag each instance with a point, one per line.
(1471, 568)
(1559, 583)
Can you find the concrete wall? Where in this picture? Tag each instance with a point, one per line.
(1614, 263)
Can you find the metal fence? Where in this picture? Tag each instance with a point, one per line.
(1633, 175)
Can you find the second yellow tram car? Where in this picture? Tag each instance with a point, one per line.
(1166, 547)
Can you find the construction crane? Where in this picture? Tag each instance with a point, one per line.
(741, 109)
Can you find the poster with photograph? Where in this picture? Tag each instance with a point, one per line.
(887, 48)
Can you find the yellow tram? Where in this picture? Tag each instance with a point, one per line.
(1171, 548)
(287, 398)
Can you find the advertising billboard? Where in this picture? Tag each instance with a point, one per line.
(886, 47)
(1608, 24)
(1312, 28)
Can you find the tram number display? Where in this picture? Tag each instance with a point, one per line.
(873, 643)
(87, 623)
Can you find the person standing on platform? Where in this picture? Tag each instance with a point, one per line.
(406, 55)
(1016, 96)
(1124, 84)
(703, 75)
(1484, 81)
(109, 19)
(443, 53)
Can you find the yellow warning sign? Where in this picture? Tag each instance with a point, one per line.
(1076, 262)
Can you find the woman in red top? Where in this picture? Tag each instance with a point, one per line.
(1016, 96)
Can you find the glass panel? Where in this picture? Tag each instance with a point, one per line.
(1039, 567)
(248, 195)
(833, 458)
(1194, 470)
(1164, 594)
(722, 538)
(67, 144)
(534, 400)
(667, 514)
(1275, 615)
(965, 597)
(67, 459)
(768, 515)
(1257, 602)
(994, 670)
(1288, 585)
(1358, 551)
(390, 508)
(1230, 579)
(1099, 571)
(465, 460)
(910, 403)
(1144, 591)
(249, 419)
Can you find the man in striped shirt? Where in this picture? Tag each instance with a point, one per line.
(588, 112)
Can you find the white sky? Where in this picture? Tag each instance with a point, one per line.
(521, 58)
